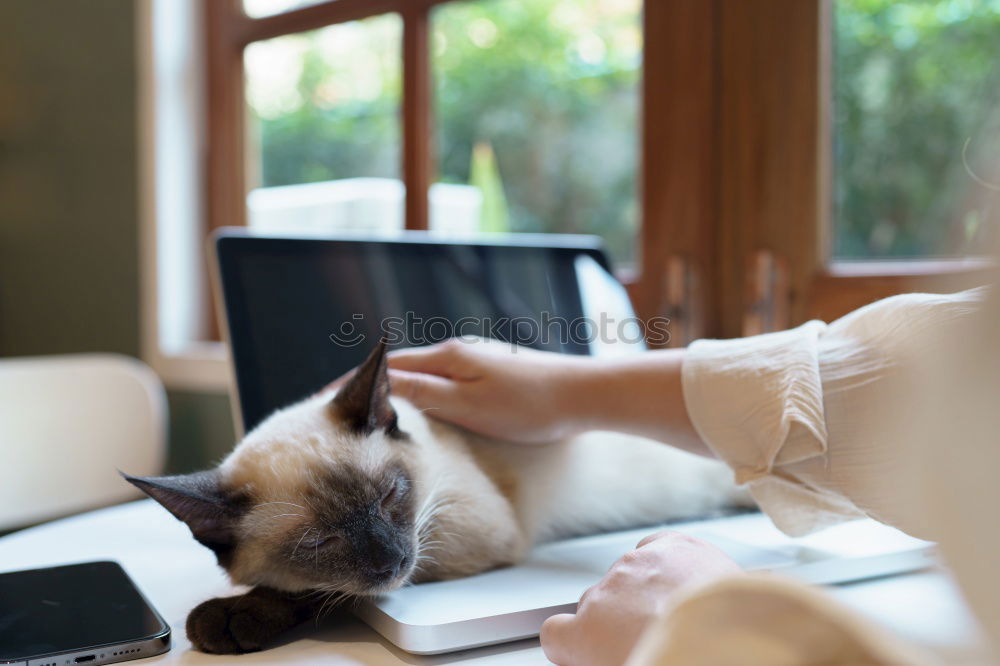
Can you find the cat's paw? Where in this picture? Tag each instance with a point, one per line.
(235, 625)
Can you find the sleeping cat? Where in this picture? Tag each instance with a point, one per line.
(358, 493)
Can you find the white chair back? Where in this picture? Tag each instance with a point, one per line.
(67, 425)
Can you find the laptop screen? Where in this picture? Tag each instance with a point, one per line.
(301, 312)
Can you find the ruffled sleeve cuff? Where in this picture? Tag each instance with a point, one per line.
(757, 402)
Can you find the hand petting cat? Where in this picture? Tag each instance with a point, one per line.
(641, 585)
(493, 388)
(524, 395)
(353, 492)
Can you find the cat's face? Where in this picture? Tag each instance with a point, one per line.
(321, 496)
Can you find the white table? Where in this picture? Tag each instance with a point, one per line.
(176, 574)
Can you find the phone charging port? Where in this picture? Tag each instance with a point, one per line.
(86, 658)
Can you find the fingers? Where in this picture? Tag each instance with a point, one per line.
(434, 360)
(439, 359)
(425, 391)
(417, 359)
(583, 597)
(650, 538)
(557, 637)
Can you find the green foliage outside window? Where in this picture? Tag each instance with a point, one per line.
(550, 86)
(549, 90)
(913, 82)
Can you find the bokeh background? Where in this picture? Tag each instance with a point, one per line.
(535, 106)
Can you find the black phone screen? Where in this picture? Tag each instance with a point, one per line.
(79, 606)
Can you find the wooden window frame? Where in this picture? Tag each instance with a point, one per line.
(228, 31)
(775, 165)
(735, 158)
(676, 174)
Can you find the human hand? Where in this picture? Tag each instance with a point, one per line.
(613, 613)
(525, 395)
(495, 388)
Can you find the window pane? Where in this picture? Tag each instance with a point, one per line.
(323, 131)
(536, 108)
(913, 83)
(258, 8)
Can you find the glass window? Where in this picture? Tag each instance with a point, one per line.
(916, 92)
(323, 144)
(536, 110)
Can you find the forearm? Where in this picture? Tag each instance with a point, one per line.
(526, 395)
(641, 395)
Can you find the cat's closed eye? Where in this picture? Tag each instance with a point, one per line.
(320, 540)
(395, 491)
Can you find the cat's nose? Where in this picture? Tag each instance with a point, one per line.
(387, 563)
(388, 570)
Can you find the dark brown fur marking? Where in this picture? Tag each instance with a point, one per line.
(363, 403)
(248, 622)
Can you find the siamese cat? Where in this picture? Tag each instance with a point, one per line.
(352, 493)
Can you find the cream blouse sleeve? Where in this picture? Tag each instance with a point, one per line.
(796, 414)
(800, 416)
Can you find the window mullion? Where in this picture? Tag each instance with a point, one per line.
(225, 178)
(416, 153)
(678, 272)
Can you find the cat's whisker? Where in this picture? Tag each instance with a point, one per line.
(431, 508)
(311, 593)
(299, 542)
(431, 545)
(319, 613)
(432, 501)
(446, 534)
(333, 597)
(428, 501)
(433, 532)
(419, 566)
(326, 589)
(424, 550)
(430, 537)
(288, 503)
(326, 600)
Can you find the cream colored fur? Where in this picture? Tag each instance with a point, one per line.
(482, 502)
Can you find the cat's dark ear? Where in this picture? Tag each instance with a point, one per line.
(200, 502)
(363, 402)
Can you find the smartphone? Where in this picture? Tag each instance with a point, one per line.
(89, 613)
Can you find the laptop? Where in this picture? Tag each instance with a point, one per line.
(300, 311)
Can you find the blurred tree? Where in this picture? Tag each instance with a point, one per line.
(325, 104)
(552, 87)
(913, 82)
